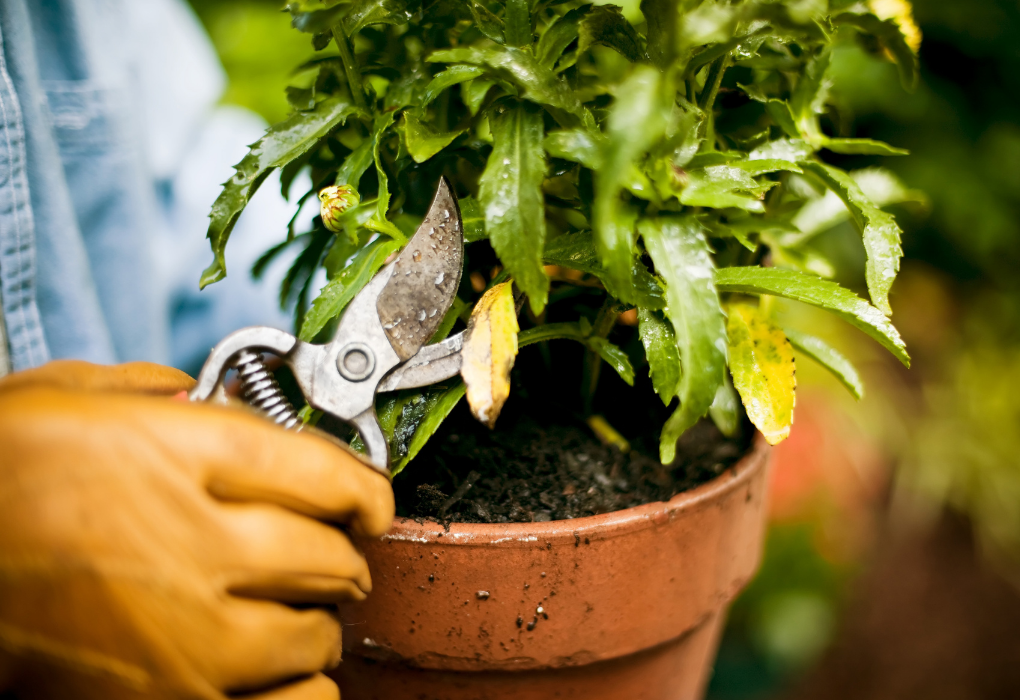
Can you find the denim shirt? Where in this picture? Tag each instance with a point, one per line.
(100, 101)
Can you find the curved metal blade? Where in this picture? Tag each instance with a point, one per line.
(425, 277)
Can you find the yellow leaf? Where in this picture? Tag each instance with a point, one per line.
(764, 374)
(490, 346)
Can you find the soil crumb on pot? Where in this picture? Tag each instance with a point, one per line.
(528, 470)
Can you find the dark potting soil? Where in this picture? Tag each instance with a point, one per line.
(530, 469)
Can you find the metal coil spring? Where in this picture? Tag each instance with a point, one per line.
(260, 389)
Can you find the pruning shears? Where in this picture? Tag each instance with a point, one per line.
(379, 344)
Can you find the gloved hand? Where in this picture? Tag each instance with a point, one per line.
(148, 547)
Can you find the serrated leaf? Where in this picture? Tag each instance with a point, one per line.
(605, 25)
(517, 23)
(863, 147)
(337, 294)
(879, 229)
(659, 342)
(637, 119)
(829, 358)
(444, 79)
(519, 67)
(490, 346)
(280, 145)
(682, 258)
(764, 371)
(577, 251)
(809, 97)
(355, 164)
(510, 192)
(422, 140)
(819, 292)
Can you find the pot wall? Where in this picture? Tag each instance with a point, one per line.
(621, 605)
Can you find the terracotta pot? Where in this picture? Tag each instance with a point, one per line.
(620, 606)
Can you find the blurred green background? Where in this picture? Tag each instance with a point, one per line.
(868, 587)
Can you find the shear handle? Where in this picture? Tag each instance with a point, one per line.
(210, 379)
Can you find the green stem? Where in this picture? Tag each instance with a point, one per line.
(351, 69)
(709, 93)
(604, 322)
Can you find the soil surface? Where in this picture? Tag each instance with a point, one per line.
(535, 467)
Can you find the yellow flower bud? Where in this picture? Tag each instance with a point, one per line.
(336, 200)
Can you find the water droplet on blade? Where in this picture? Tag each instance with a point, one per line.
(416, 256)
(439, 278)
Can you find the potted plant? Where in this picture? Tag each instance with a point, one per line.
(643, 176)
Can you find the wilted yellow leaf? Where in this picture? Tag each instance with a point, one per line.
(764, 374)
(490, 346)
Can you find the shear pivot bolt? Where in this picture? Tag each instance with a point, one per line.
(355, 362)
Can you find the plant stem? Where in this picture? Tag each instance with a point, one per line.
(709, 93)
(351, 69)
(604, 322)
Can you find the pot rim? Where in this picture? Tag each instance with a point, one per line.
(601, 526)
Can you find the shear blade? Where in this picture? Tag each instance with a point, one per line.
(425, 277)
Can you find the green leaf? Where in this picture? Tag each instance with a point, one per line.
(889, 33)
(764, 371)
(510, 192)
(605, 25)
(474, 91)
(725, 408)
(337, 294)
(488, 24)
(816, 291)
(518, 23)
(555, 40)
(451, 76)
(663, 18)
(682, 258)
(577, 251)
(314, 18)
(636, 121)
(614, 357)
(379, 222)
(366, 12)
(472, 220)
(809, 97)
(422, 140)
(721, 186)
(414, 427)
(880, 231)
(663, 357)
(518, 67)
(446, 325)
(578, 145)
(355, 164)
(781, 114)
(280, 145)
(829, 358)
(863, 147)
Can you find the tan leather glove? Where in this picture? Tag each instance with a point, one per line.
(148, 546)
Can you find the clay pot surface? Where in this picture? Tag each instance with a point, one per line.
(621, 605)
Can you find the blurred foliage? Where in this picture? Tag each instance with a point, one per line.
(258, 50)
